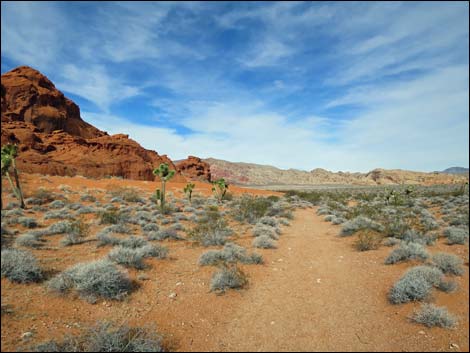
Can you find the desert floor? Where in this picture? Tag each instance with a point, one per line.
(315, 292)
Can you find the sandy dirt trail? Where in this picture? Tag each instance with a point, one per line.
(322, 295)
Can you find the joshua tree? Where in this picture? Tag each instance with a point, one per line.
(188, 190)
(165, 174)
(219, 188)
(409, 190)
(9, 153)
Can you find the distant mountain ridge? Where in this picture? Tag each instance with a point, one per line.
(455, 170)
(256, 174)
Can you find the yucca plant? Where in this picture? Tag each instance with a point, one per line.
(9, 153)
(219, 188)
(164, 173)
(188, 190)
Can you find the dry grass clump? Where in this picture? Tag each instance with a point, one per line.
(368, 240)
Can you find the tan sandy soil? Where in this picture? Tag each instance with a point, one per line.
(314, 293)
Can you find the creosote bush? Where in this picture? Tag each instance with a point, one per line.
(20, 266)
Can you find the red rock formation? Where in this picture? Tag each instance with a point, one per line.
(194, 168)
(53, 139)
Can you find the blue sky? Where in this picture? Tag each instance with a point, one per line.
(334, 85)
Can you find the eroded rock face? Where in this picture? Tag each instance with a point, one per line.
(53, 139)
(194, 168)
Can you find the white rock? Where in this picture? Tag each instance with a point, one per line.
(172, 295)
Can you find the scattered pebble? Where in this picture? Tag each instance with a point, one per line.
(454, 346)
(27, 335)
(318, 280)
(172, 295)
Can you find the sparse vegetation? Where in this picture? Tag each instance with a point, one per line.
(431, 315)
(407, 251)
(416, 284)
(93, 280)
(448, 263)
(20, 266)
(228, 277)
(107, 337)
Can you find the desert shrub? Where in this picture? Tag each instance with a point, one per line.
(181, 217)
(270, 221)
(264, 230)
(166, 221)
(250, 209)
(61, 214)
(107, 337)
(104, 238)
(412, 236)
(284, 222)
(60, 227)
(177, 226)
(456, 235)
(133, 242)
(144, 215)
(20, 266)
(150, 227)
(57, 204)
(118, 228)
(391, 241)
(415, 284)
(211, 229)
(86, 210)
(77, 231)
(28, 222)
(228, 277)
(231, 253)
(110, 217)
(448, 263)
(431, 315)
(280, 209)
(367, 240)
(358, 223)
(42, 196)
(407, 251)
(87, 198)
(28, 240)
(264, 242)
(128, 257)
(163, 234)
(127, 194)
(93, 280)
(189, 209)
(151, 250)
